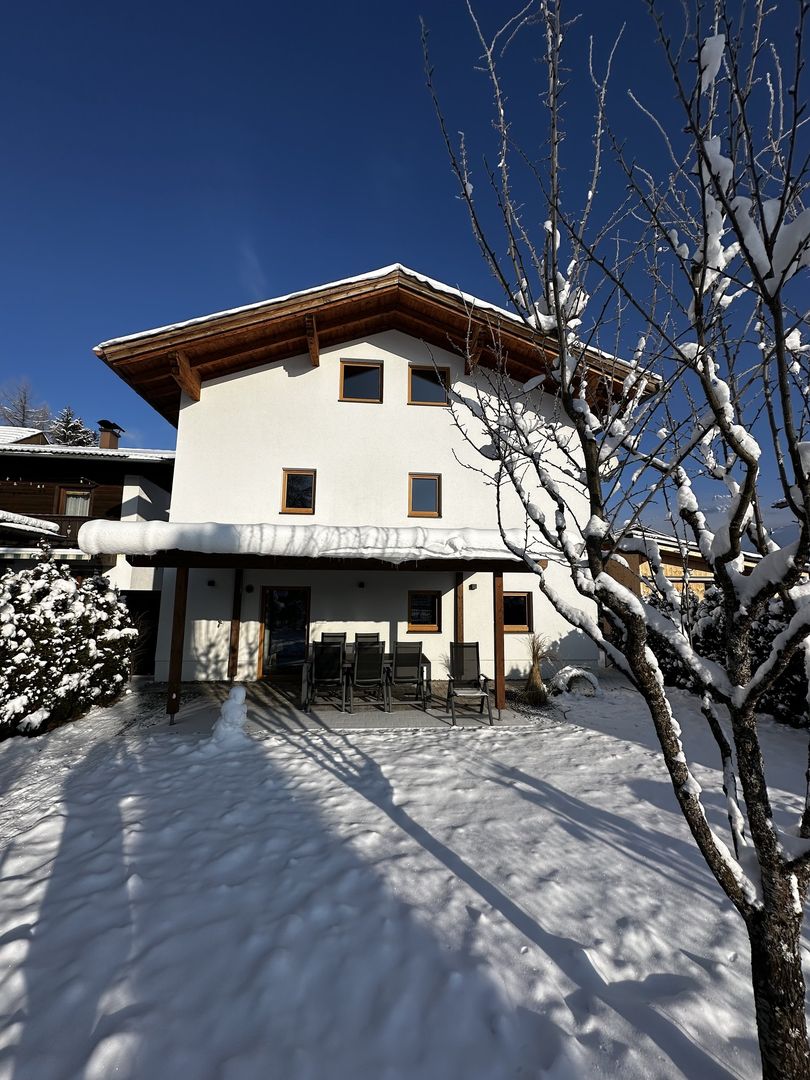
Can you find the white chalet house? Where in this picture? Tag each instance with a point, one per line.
(321, 483)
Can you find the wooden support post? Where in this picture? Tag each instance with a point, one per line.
(312, 340)
(500, 678)
(178, 634)
(236, 620)
(459, 606)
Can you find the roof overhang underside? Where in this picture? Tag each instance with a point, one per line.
(159, 364)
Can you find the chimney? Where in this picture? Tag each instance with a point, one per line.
(108, 434)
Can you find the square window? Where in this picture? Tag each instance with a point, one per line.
(424, 612)
(74, 502)
(360, 381)
(428, 385)
(298, 491)
(517, 612)
(424, 495)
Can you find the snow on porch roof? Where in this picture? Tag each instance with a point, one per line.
(392, 545)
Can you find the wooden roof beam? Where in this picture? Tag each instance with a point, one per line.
(312, 340)
(182, 373)
(475, 346)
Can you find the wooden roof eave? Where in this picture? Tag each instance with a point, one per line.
(243, 339)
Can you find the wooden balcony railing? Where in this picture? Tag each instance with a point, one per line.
(68, 529)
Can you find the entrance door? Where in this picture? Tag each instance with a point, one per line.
(286, 631)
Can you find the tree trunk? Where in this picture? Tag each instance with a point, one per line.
(776, 970)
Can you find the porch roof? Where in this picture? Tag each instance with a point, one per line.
(217, 543)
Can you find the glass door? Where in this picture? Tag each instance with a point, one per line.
(286, 631)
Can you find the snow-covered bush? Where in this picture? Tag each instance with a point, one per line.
(786, 700)
(574, 680)
(672, 667)
(63, 646)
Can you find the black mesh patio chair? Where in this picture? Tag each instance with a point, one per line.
(326, 672)
(333, 639)
(365, 637)
(466, 683)
(407, 669)
(368, 672)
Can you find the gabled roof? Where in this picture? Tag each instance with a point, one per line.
(159, 363)
(16, 434)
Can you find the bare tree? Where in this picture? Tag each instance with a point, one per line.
(699, 266)
(19, 406)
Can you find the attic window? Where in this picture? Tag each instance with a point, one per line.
(428, 385)
(298, 491)
(361, 381)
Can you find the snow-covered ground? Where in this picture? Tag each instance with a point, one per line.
(376, 905)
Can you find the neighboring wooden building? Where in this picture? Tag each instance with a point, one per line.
(314, 435)
(70, 485)
(681, 562)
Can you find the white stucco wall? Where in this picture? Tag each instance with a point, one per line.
(232, 446)
(141, 500)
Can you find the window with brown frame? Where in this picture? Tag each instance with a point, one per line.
(298, 491)
(74, 502)
(424, 612)
(517, 613)
(424, 495)
(361, 380)
(428, 385)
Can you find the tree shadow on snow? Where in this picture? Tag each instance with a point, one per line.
(199, 918)
(78, 947)
(632, 1000)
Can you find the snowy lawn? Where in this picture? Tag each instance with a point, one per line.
(377, 905)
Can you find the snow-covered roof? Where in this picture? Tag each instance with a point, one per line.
(14, 434)
(384, 271)
(23, 523)
(394, 545)
(162, 363)
(671, 542)
(124, 454)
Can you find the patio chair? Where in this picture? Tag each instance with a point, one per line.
(333, 639)
(366, 637)
(466, 683)
(407, 669)
(326, 672)
(368, 672)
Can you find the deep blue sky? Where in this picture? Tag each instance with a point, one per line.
(165, 160)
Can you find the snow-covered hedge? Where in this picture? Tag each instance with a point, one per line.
(787, 701)
(63, 646)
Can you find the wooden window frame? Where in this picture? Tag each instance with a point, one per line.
(65, 490)
(528, 628)
(437, 513)
(297, 472)
(425, 628)
(361, 363)
(443, 371)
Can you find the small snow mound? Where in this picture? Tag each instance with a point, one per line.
(229, 730)
(574, 680)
